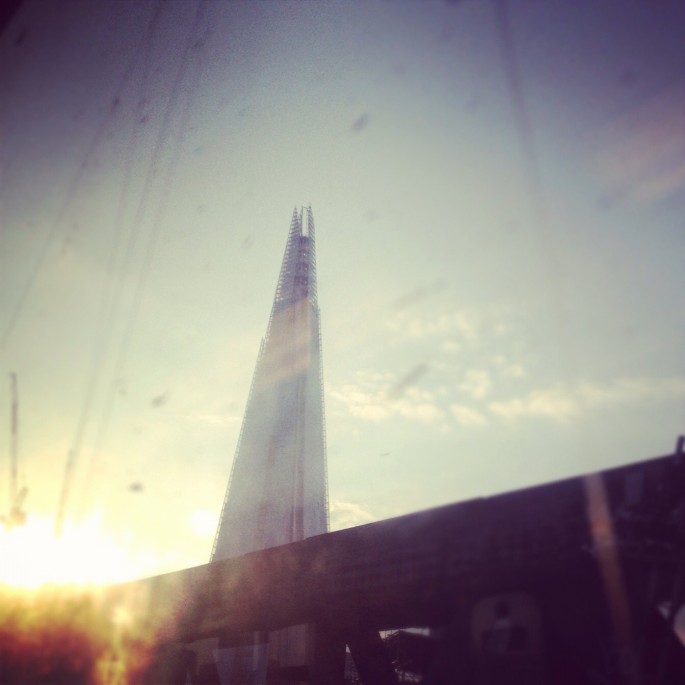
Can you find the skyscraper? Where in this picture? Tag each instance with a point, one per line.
(277, 490)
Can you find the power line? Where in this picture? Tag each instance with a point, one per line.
(117, 264)
(110, 114)
(535, 187)
(133, 236)
(73, 454)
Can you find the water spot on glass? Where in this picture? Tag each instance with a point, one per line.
(360, 124)
(160, 400)
(410, 378)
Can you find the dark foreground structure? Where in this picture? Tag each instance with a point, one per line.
(575, 582)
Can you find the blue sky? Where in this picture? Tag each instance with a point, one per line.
(497, 310)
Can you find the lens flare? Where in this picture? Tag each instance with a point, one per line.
(61, 617)
(62, 634)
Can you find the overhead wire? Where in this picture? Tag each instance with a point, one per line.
(162, 204)
(114, 270)
(171, 105)
(610, 572)
(76, 181)
(542, 218)
(121, 258)
(117, 374)
(609, 568)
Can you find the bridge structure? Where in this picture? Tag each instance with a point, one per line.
(572, 582)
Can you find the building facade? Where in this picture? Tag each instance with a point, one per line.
(277, 491)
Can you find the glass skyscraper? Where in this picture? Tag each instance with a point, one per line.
(277, 490)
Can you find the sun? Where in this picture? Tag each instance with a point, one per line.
(33, 556)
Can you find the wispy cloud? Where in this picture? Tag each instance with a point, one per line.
(466, 416)
(373, 397)
(477, 383)
(564, 403)
(420, 294)
(632, 390)
(555, 403)
(508, 369)
(348, 514)
(450, 346)
(458, 325)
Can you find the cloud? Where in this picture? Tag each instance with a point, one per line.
(420, 294)
(424, 411)
(477, 383)
(628, 390)
(371, 399)
(348, 514)
(508, 369)
(459, 325)
(361, 403)
(450, 346)
(553, 403)
(467, 416)
(565, 403)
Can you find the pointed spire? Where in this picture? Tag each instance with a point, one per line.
(297, 278)
(277, 489)
(295, 223)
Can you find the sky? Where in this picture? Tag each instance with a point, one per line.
(498, 190)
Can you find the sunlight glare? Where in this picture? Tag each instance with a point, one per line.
(82, 555)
